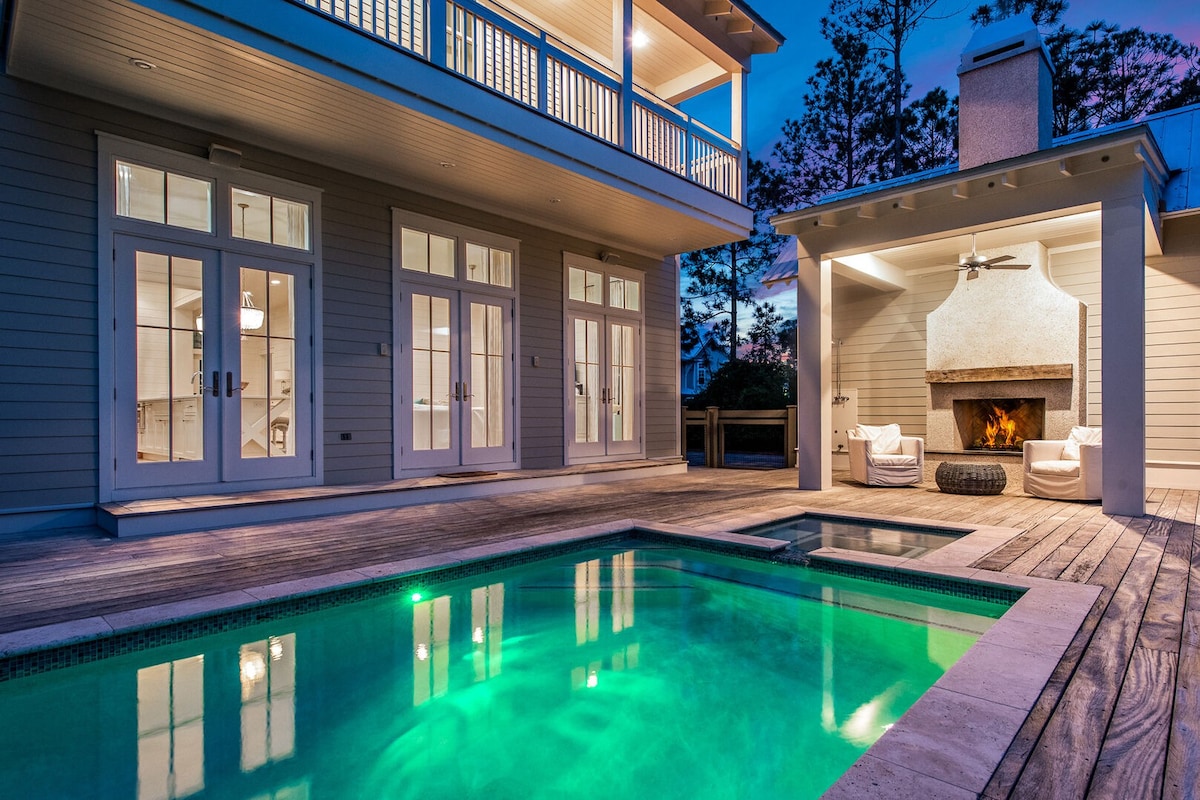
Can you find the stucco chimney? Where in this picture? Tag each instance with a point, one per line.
(1005, 97)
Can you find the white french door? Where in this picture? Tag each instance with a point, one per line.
(213, 366)
(457, 357)
(605, 401)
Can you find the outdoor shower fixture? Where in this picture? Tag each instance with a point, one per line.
(839, 398)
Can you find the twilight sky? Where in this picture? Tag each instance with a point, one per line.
(777, 81)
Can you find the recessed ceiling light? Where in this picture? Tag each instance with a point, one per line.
(141, 63)
(640, 39)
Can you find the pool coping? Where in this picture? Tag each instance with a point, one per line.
(950, 742)
(984, 698)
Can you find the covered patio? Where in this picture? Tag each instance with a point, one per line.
(1118, 717)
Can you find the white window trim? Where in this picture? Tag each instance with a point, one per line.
(401, 277)
(461, 234)
(602, 309)
(112, 148)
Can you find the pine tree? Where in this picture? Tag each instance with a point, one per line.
(719, 281)
(1103, 74)
(835, 145)
(887, 26)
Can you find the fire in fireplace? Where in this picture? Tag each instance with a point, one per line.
(999, 424)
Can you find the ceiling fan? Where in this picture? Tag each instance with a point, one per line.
(975, 262)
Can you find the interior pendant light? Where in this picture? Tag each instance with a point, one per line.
(252, 316)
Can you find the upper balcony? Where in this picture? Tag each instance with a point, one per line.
(566, 114)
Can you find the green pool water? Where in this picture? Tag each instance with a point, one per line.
(629, 671)
(811, 531)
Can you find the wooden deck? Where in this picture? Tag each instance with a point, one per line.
(1120, 718)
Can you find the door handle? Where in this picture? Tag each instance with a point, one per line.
(216, 384)
(229, 387)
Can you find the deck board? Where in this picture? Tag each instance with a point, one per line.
(1119, 717)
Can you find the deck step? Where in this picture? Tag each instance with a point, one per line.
(210, 512)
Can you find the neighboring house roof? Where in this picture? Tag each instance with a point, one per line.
(705, 348)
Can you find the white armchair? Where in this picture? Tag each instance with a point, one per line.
(880, 456)
(1065, 469)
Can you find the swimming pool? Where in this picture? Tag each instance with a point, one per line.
(809, 531)
(631, 669)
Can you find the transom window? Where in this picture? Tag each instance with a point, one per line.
(449, 252)
(427, 253)
(162, 195)
(168, 198)
(624, 293)
(267, 218)
(489, 265)
(587, 286)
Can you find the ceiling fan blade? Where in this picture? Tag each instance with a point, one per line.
(995, 260)
(1006, 266)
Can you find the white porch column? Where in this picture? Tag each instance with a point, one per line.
(814, 394)
(739, 118)
(1123, 353)
(623, 11)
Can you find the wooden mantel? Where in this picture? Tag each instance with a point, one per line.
(1031, 372)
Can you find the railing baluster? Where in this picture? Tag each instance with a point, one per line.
(509, 59)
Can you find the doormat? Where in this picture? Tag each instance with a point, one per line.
(479, 473)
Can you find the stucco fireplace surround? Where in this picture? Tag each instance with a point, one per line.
(1006, 335)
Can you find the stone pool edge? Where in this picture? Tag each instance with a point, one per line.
(86, 629)
(950, 742)
(984, 698)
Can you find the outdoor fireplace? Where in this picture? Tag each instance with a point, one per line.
(999, 424)
(1006, 359)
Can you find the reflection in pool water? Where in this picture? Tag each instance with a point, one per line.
(633, 671)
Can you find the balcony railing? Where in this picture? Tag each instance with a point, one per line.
(517, 60)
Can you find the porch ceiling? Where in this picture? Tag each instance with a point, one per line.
(903, 231)
(305, 105)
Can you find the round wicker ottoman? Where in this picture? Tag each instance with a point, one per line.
(962, 478)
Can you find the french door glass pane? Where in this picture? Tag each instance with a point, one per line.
(622, 386)
(587, 381)
(487, 375)
(268, 362)
(169, 301)
(430, 372)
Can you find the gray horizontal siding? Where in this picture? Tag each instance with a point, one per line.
(661, 339)
(883, 351)
(48, 304)
(1173, 346)
(48, 401)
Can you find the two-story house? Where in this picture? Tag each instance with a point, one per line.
(319, 243)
